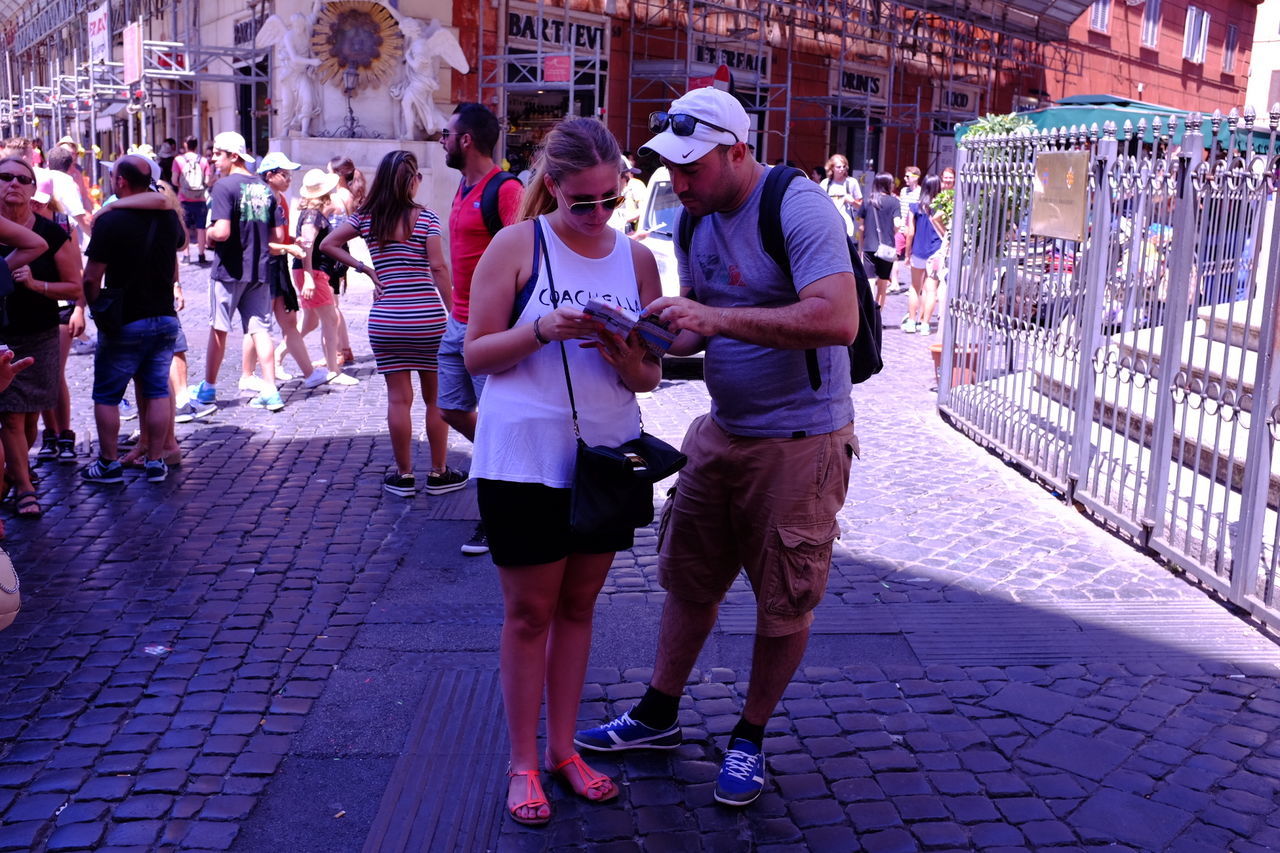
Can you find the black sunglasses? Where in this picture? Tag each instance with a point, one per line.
(683, 124)
(582, 208)
(25, 180)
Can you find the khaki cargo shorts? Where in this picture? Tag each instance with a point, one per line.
(767, 505)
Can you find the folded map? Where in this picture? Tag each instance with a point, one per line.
(656, 337)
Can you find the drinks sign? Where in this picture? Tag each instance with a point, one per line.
(865, 84)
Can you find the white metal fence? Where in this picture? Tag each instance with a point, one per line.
(1135, 370)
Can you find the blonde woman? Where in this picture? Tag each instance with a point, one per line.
(313, 270)
(842, 189)
(524, 445)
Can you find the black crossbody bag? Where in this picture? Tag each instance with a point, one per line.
(612, 490)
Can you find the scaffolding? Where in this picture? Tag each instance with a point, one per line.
(903, 53)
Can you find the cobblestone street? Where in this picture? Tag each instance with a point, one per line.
(265, 652)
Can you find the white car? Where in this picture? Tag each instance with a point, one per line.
(657, 228)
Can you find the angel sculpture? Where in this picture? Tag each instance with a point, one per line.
(425, 45)
(298, 96)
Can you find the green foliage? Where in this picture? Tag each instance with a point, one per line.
(944, 205)
(999, 125)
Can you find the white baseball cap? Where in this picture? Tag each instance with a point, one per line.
(232, 143)
(710, 116)
(277, 160)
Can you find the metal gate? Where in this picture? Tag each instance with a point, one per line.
(1134, 371)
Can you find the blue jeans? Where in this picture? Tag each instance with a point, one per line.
(142, 350)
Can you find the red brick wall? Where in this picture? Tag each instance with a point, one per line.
(1116, 62)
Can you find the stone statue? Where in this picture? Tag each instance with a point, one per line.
(295, 91)
(425, 45)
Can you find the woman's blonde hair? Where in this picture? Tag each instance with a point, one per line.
(837, 160)
(574, 145)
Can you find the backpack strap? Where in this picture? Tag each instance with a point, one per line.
(684, 229)
(489, 202)
(775, 242)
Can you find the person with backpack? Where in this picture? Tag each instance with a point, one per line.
(487, 199)
(192, 172)
(769, 465)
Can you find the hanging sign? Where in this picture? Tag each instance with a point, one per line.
(528, 29)
(99, 35)
(863, 83)
(132, 53)
(556, 69)
(1060, 194)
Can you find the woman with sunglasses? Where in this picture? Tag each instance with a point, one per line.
(31, 326)
(412, 295)
(525, 443)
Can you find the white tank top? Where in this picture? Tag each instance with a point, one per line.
(524, 433)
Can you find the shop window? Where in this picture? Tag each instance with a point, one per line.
(1195, 36)
(1100, 16)
(1151, 24)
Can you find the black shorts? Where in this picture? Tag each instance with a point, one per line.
(881, 268)
(528, 524)
(64, 314)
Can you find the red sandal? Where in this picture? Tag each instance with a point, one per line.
(534, 798)
(584, 780)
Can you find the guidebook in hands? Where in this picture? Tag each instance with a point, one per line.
(655, 337)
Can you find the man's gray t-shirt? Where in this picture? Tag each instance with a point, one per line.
(758, 391)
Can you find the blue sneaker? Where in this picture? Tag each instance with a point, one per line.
(741, 775)
(204, 392)
(626, 733)
(269, 400)
(103, 472)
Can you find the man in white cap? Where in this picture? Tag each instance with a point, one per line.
(769, 466)
(246, 220)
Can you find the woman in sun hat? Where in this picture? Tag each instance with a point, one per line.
(313, 269)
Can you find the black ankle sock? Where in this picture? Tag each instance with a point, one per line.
(656, 709)
(748, 731)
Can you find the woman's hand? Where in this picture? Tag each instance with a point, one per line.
(76, 324)
(567, 323)
(308, 287)
(623, 355)
(22, 276)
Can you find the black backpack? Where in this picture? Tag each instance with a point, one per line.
(864, 352)
(489, 201)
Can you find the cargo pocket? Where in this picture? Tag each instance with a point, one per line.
(664, 517)
(801, 567)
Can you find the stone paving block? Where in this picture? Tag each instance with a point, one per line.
(869, 816)
(811, 813)
(1088, 757)
(37, 807)
(1035, 703)
(76, 836)
(1120, 816)
(134, 832)
(20, 836)
(972, 809)
(211, 835)
(889, 841)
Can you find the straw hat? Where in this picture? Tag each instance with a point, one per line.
(317, 183)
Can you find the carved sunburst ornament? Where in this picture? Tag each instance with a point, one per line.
(360, 35)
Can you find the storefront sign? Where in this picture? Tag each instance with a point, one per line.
(1059, 195)
(556, 69)
(866, 84)
(99, 35)
(745, 62)
(580, 33)
(132, 53)
(957, 99)
(48, 18)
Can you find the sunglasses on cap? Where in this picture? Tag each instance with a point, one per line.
(683, 124)
(582, 208)
(25, 180)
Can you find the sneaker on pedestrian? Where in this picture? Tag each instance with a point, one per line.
(446, 481)
(741, 775)
(191, 410)
(131, 439)
(403, 485)
(202, 261)
(128, 411)
(924, 328)
(83, 346)
(67, 447)
(204, 392)
(626, 733)
(104, 472)
(155, 470)
(908, 325)
(317, 378)
(48, 445)
(478, 543)
(282, 375)
(269, 400)
(252, 384)
(341, 378)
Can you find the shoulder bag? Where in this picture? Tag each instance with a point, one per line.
(612, 490)
(10, 598)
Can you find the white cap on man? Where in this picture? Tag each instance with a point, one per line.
(696, 123)
(232, 143)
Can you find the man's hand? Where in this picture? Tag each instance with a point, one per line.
(681, 314)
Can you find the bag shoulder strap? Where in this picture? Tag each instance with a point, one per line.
(539, 240)
(526, 292)
(489, 202)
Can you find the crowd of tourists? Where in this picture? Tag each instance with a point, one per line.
(485, 336)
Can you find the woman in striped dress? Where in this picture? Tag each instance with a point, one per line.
(412, 295)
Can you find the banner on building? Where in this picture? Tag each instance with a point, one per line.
(556, 69)
(957, 99)
(862, 83)
(749, 63)
(99, 35)
(132, 53)
(533, 29)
